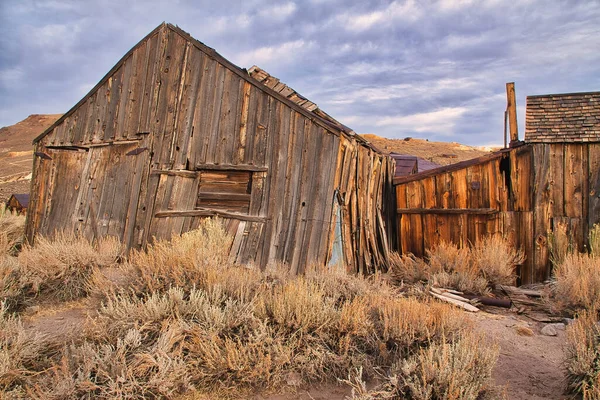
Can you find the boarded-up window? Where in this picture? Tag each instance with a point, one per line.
(225, 190)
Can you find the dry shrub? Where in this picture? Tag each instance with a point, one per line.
(577, 282)
(560, 244)
(224, 329)
(469, 269)
(496, 260)
(62, 268)
(407, 268)
(181, 261)
(453, 267)
(457, 369)
(583, 355)
(594, 241)
(307, 329)
(22, 353)
(11, 231)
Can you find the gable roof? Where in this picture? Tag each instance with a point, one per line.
(405, 164)
(321, 118)
(569, 117)
(22, 199)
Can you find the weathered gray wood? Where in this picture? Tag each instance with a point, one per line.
(232, 167)
(208, 213)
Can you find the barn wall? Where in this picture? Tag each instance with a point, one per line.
(552, 186)
(567, 195)
(462, 205)
(174, 135)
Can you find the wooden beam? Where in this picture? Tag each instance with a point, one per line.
(231, 167)
(175, 172)
(207, 212)
(511, 107)
(477, 211)
(224, 196)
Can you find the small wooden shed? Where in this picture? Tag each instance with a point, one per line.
(175, 133)
(524, 192)
(18, 203)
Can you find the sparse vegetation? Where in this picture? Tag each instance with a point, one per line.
(60, 269)
(577, 283)
(11, 231)
(576, 290)
(186, 319)
(457, 369)
(472, 269)
(583, 355)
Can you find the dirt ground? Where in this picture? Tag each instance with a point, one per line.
(529, 367)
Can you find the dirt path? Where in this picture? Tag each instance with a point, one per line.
(530, 367)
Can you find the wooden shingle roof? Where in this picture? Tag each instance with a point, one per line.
(571, 117)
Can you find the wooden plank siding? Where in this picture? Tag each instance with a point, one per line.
(521, 193)
(175, 133)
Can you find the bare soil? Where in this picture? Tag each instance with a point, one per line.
(529, 367)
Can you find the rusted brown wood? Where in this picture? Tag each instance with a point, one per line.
(542, 215)
(450, 168)
(483, 211)
(511, 107)
(594, 184)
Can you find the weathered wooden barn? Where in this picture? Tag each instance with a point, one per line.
(17, 203)
(523, 192)
(175, 133)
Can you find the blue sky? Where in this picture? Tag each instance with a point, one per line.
(427, 69)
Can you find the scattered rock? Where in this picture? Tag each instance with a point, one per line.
(568, 321)
(551, 329)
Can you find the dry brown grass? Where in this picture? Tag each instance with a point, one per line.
(11, 231)
(583, 355)
(594, 240)
(61, 269)
(457, 369)
(472, 269)
(181, 261)
(189, 320)
(560, 244)
(496, 260)
(577, 283)
(23, 353)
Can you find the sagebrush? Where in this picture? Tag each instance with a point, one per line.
(583, 355)
(474, 269)
(185, 319)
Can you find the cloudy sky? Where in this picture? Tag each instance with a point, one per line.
(428, 69)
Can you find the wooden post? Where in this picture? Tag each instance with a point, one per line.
(511, 107)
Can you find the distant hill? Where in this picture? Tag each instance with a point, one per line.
(16, 153)
(442, 153)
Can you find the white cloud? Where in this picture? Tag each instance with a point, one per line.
(441, 121)
(425, 89)
(284, 52)
(407, 11)
(279, 12)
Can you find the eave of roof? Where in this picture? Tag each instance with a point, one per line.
(454, 167)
